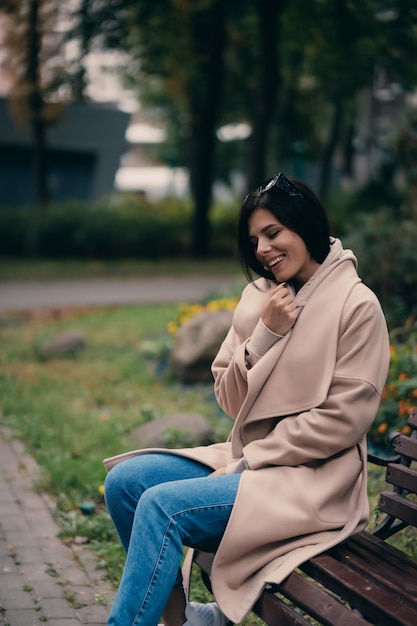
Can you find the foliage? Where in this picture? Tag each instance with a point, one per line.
(134, 229)
(293, 71)
(400, 393)
(385, 247)
(34, 63)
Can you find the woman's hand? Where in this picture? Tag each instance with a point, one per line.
(219, 472)
(280, 310)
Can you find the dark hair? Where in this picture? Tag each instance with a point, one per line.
(301, 212)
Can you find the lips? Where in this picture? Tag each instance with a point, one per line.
(276, 261)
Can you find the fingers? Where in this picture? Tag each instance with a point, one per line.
(280, 310)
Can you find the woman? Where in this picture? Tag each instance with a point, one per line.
(301, 372)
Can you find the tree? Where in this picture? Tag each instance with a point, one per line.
(344, 42)
(264, 103)
(292, 70)
(179, 44)
(33, 62)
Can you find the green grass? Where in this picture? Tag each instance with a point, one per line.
(72, 412)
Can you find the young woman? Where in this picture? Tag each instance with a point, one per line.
(301, 372)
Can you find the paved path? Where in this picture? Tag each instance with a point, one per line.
(41, 579)
(76, 293)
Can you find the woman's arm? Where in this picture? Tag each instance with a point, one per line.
(277, 314)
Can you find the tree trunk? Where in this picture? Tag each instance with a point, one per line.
(330, 147)
(208, 33)
(36, 106)
(269, 12)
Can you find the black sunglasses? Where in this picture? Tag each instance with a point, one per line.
(282, 183)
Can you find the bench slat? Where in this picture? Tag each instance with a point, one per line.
(412, 420)
(387, 561)
(402, 476)
(275, 613)
(398, 506)
(406, 446)
(376, 602)
(317, 602)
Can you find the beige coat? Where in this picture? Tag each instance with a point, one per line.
(301, 417)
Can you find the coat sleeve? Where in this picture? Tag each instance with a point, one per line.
(230, 374)
(342, 420)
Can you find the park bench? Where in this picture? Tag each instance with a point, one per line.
(364, 580)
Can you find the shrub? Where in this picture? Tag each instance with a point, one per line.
(400, 393)
(131, 229)
(82, 231)
(385, 248)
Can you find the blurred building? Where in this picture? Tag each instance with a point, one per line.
(83, 154)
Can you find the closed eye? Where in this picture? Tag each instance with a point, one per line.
(273, 234)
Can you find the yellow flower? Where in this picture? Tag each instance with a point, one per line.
(187, 311)
(101, 490)
(172, 328)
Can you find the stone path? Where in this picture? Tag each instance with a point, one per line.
(87, 292)
(42, 581)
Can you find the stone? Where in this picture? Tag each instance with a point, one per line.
(67, 343)
(197, 343)
(174, 431)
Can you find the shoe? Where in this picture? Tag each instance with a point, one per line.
(199, 614)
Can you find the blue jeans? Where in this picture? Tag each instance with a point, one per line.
(159, 503)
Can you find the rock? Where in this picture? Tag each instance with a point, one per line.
(66, 343)
(197, 343)
(174, 431)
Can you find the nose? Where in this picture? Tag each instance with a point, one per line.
(263, 247)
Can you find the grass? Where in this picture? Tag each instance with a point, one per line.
(73, 411)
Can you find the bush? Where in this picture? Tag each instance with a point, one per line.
(385, 248)
(399, 398)
(133, 229)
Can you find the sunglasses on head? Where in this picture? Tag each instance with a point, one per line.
(282, 183)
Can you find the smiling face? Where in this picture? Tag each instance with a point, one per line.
(280, 249)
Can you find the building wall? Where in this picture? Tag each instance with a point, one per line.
(83, 154)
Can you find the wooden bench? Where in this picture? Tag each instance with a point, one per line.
(362, 581)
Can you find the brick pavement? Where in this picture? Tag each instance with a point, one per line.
(42, 581)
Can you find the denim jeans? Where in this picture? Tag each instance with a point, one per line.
(159, 503)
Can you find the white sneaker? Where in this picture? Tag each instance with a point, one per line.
(199, 614)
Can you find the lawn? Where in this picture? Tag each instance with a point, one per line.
(73, 411)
